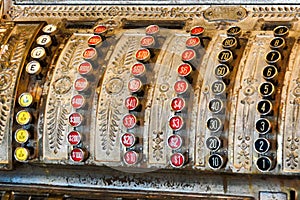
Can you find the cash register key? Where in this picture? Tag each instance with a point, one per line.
(215, 105)
(189, 56)
(263, 126)
(78, 155)
(264, 107)
(261, 145)
(85, 68)
(213, 143)
(184, 70)
(77, 101)
(234, 31)
(75, 119)
(177, 104)
(131, 157)
(272, 57)
(81, 84)
(90, 54)
(143, 55)
(214, 124)
(197, 31)
(176, 123)
(193, 42)
(222, 71)
(131, 103)
(181, 86)
(38, 53)
(230, 43)
(100, 30)
(174, 142)
(138, 69)
(135, 85)
(215, 161)
(266, 89)
(270, 72)
(177, 160)
(277, 43)
(129, 121)
(74, 138)
(25, 99)
(23, 117)
(22, 135)
(147, 42)
(281, 31)
(264, 164)
(44, 40)
(50, 29)
(33, 68)
(225, 56)
(218, 87)
(95, 41)
(128, 140)
(21, 154)
(152, 30)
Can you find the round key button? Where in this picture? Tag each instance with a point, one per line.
(84, 68)
(213, 143)
(261, 145)
(131, 102)
(264, 107)
(74, 138)
(234, 31)
(177, 104)
(50, 29)
(131, 157)
(33, 67)
(188, 55)
(221, 71)
(218, 87)
(176, 123)
(215, 105)
(147, 42)
(273, 57)
(129, 121)
(78, 155)
(215, 161)
(23, 117)
(266, 89)
(38, 53)
(197, 31)
(138, 69)
(214, 124)
(22, 136)
(94, 41)
(264, 163)
(128, 140)
(263, 126)
(193, 42)
(229, 43)
(277, 43)
(21, 154)
(75, 119)
(44, 40)
(225, 56)
(270, 72)
(174, 142)
(184, 70)
(77, 101)
(281, 31)
(152, 30)
(142, 55)
(81, 84)
(100, 30)
(134, 85)
(25, 99)
(177, 160)
(180, 86)
(90, 54)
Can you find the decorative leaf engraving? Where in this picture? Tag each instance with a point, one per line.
(292, 158)
(4, 111)
(6, 53)
(65, 62)
(108, 128)
(157, 148)
(56, 125)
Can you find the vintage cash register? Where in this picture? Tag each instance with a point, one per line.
(128, 100)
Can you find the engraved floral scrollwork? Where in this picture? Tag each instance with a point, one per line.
(292, 158)
(157, 148)
(5, 81)
(56, 124)
(65, 62)
(109, 124)
(4, 111)
(62, 85)
(114, 86)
